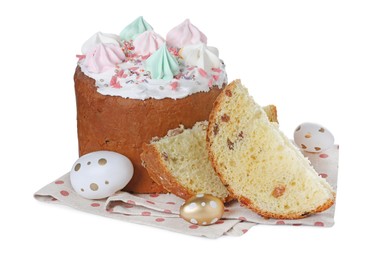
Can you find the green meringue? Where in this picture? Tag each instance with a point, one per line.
(135, 28)
(162, 64)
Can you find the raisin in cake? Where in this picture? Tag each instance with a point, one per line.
(179, 161)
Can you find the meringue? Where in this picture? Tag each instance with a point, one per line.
(185, 34)
(134, 29)
(202, 56)
(103, 57)
(147, 43)
(162, 64)
(98, 38)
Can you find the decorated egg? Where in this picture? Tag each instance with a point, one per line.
(202, 209)
(100, 174)
(313, 138)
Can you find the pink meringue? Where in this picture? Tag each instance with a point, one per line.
(98, 38)
(147, 43)
(103, 57)
(185, 34)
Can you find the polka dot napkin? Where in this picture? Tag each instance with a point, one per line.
(162, 210)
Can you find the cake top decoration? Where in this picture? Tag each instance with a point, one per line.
(200, 55)
(147, 43)
(135, 28)
(184, 34)
(100, 37)
(103, 57)
(140, 64)
(162, 64)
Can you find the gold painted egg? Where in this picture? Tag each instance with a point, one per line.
(202, 209)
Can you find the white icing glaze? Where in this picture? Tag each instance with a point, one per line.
(127, 82)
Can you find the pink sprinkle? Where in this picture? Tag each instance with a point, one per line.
(190, 68)
(215, 77)
(216, 70)
(171, 203)
(193, 226)
(226, 210)
(117, 85)
(280, 222)
(319, 224)
(167, 211)
(323, 155)
(95, 205)
(59, 182)
(120, 73)
(159, 219)
(133, 68)
(128, 206)
(80, 57)
(297, 224)
(174, 51)
(202, 72)
(150, 202)
(323, 175)
(145, 213)
(210, 83)
(174, 85)
(64, 193)
(113, 80)
(154, 195)
(244, 231)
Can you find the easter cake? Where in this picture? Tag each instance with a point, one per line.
(258, 164)
(179, 161)
(137, 85)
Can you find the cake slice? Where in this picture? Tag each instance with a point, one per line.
(258, 164)
(179, 161)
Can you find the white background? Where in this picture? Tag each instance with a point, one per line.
(313, 59)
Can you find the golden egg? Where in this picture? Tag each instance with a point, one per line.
(202, 209)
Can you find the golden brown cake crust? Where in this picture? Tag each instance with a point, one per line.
(160, 174)
(246, 202)
(123, 125)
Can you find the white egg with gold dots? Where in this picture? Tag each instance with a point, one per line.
(202, 209)
(100, 174)
(313, 138)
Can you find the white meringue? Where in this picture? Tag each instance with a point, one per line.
(202, 56)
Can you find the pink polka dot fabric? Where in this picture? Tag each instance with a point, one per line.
(162, 210)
